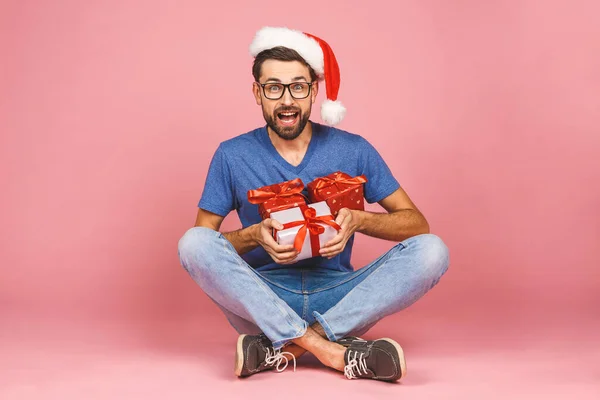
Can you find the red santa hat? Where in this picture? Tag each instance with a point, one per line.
(317, 53)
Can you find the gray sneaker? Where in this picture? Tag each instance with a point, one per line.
(381, 359)
(256, 354)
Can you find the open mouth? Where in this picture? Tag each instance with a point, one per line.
(288, 118)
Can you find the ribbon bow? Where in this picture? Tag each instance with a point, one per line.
(312, 224)
(337, 179)
(286, 189)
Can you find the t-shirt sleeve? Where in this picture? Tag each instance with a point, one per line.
(380, 180)
(218, 194)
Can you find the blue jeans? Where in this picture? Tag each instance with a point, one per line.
(283, 303)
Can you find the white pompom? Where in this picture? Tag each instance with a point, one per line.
(332, 112)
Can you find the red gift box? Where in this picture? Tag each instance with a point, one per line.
(339, 190)
(277, 197)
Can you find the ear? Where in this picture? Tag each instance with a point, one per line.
(256, 92)
(314, 91)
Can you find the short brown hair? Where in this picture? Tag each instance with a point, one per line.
(279, 53)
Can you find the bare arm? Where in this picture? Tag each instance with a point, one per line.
(246, 239)
(402, 220)
(243, 240)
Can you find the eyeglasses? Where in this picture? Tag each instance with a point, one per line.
(274, 91)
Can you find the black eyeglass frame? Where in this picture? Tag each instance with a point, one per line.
(286, 86)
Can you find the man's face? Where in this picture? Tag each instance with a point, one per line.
(286, 116)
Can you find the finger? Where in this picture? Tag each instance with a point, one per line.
(268, 239)
(284, 260)
(329, 256)
(345, 224)
(282, 255)
(333, 252)
(341, 217)
(344, 215)
(334, 240)
(276, 248)
(286, 255)
(270, 242)
(273, 223)
(287, 262)
(276, 258)
(285, 248)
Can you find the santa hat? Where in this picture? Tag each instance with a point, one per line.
(317, 53)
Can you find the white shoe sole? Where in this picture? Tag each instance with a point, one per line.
(239, 356)
(400, 356)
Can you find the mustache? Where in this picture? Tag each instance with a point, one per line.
(287, 109)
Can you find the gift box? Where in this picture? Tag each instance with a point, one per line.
(308, 228)
(339, 190)
(277, 197)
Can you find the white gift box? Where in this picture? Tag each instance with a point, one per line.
(287, 236)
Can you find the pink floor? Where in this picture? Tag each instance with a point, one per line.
(472, 358)
(110, 112)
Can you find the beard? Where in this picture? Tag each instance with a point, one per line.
(283, 131)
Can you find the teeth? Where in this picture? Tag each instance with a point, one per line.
(288, 114)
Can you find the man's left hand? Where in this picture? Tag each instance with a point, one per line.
(348, 220)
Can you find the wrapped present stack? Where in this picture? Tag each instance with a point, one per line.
(309, 226)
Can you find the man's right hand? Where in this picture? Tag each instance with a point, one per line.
(263, 235)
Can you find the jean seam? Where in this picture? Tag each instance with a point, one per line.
(304, 306)
(279, 285)
(304, 297)
(325, 325)
(346, 280)
(262, 285)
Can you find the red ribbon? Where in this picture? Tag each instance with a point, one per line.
(337, 179)
(311, 224)
(285, 189)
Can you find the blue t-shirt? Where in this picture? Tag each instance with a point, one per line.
(250, 161)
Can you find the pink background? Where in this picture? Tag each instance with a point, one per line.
(487, 112)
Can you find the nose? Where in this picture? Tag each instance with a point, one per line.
(287, 98)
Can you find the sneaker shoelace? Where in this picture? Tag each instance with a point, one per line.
(277, 358)
(355, 367)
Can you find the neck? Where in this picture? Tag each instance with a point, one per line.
(298, 145)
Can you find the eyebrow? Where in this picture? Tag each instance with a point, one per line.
(297, 78)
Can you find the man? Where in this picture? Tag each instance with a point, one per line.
(283, 307)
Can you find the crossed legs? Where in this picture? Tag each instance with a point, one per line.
(393, 282)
